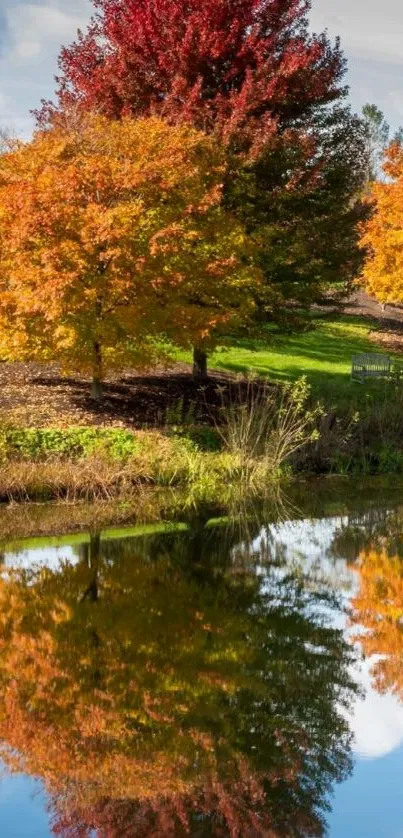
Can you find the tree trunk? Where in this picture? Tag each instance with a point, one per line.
(97, 372)
(91, 555)
(199, 364)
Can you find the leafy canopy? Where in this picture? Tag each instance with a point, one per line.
(383, 233)
(112, 234)
(252, 73)
(238, 67)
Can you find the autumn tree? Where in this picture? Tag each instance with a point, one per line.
(382, 234)
(162, 683)
(251, 73)
(241, 68)
(109, 245)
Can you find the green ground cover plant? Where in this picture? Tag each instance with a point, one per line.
(44, 443)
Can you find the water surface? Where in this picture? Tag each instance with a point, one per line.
(208, 677)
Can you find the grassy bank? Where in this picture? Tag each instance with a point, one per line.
(94, 465)
(209, 449)
(97, 465)
(249, 442)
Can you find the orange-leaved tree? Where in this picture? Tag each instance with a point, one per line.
(112, 235)
(383, 232)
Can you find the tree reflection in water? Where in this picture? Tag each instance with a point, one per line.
(172, 685)
(373, 544)
(377, 610)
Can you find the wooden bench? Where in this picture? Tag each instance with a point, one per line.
(370, 365)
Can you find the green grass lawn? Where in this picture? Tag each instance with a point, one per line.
(323, 354)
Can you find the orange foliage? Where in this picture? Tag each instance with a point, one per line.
(112, 236)
(112, 692)
(383, 233)
(378, 609)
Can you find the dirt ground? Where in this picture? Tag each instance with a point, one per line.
(37, 395)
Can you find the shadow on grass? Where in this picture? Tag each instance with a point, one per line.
(334, 389)
(323, 355)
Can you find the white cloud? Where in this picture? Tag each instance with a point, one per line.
(49, 557)
(31, 35)
(376, 721)
(368, 29)
(371, 37)
(35, 29)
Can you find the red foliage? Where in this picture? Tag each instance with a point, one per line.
(241, 67)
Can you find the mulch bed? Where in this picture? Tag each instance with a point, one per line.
(37, 395)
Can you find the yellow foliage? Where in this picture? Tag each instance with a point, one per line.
(378, 611)
(113, 237)
(383, 233)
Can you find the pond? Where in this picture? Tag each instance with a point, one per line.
(209, 676)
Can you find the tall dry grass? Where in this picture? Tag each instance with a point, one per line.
(265, 426)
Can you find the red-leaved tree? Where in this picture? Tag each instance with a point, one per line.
(245, 68)
(250, 71)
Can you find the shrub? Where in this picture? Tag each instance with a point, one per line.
(70, 443)
(266, 425)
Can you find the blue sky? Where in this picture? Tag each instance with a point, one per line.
(31, 34)
(372, 39)
(30, 37)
